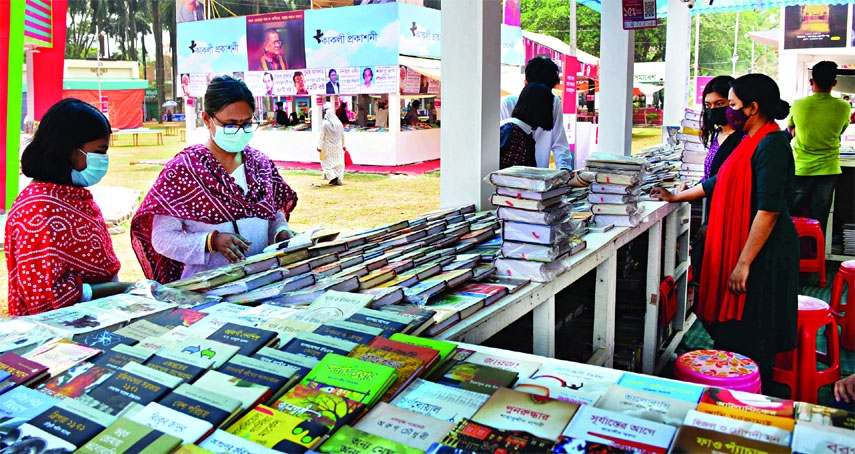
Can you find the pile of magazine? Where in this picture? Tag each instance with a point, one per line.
(615, 195)
(694, 151)
(539, 230)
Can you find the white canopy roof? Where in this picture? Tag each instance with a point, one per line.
(560, 46)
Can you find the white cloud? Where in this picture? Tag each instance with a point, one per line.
(389, 36)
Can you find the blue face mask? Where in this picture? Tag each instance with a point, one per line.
(232, 143)
(96, 168)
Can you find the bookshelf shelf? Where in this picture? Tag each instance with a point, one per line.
(600, 255)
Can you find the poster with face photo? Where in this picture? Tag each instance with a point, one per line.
(262, 83)
(314, 81)
(366, 79)
(349, 80)
(385, 79)
(815, 26)
(275, 41)
(198, 85)
(412, 80)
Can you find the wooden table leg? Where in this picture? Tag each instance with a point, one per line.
(160, 138)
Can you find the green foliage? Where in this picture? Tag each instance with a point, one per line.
(716, 43)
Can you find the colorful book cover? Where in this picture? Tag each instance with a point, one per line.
(573, 382)
(747, 429)
(320, 407)
(406, 368)
(349, 331)
(812, 438)
(478, 378)
(75, 382)
(645, 405)
(428, 356)
(689, 392)
(570, 445)
(187, 368)
(277, 430)
(388, 322)
(276, 377)
(104, 340)
(348, 439)
(142, 329)
(120, 355)
(20, 405)
(757, 403)
(133, 383)
(444, 348)
(201, 403)
(249, 394)
(542, 417)
(819, 414)
(222, 442)
(22, 370)
(691, 439)
(333, 305)
(619, 430)
(60, 354)
(746, 415)
(215, 351)
(440, 401)
(127, 436)
(352, 378)
(403, 426)
(303, 363)
(471, 436)
(191, 449)
(172, 422)
(179, 317)
(317, 346)
(522, 367)
(62, 428)
(247, 338)
(454, 306)
(491, 293)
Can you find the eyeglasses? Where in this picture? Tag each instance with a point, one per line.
(247, 127)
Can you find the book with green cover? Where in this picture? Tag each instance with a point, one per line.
(355, 441)
(223, 442)
(406, 368)
(444, 348)
(352, 378)
(277, 430)
(319, 406)
(126, 436)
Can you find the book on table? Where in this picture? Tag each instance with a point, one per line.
(645, 405)
(513, 284)
(820, 414)
(530, 178)
(524, 368)
(548, 216)
(221, 441)
(71, 321)
(303, 363)
(330, 410)
(474, 377)
(389, 322)
(747, 429)
(403, 426)
(691, 439)
(248, 283)
(622, 177)
(249, 394)
(406, 368)
(210, 324)
(689, 392)
(179, 317)
(287, 328)
(524, 204)
(63, 428)
(279, 378)
(129, 306)
(278, 430)
(508, 409)
(76, 381)
(22, 404)
(445, 348)
(61, 354)
(103, 339)
(120, 355)
(133, 383)
(808, 437)
(23, 371)
(208, 279)
(532, 195)
(757, 403)
(572, 382)
(619, 430)
(249, 339)
(357, 380)
(200, 403)
(428, 356)
(536, 252)
(317, 346)
(349, 331)
(198, 347)
(384, 296)
(469, 436)
(173, 362)
(439, 401)
(422, 318)
(451, 308)
(189, 429)
(141, 329)
(19, 334)
(127, 436)
(355, 441)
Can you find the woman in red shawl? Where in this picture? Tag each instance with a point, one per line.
(214, 203)
(748, 298)
(58, 250)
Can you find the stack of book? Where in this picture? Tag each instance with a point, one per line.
(614, 197)
(663, 165)
(538, 229)
(694, 152)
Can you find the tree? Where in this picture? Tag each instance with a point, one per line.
(154, 12)
(717, 40)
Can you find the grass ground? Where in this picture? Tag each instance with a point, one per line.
(364, 201)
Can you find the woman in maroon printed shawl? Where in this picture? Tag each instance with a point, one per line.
(214, 203)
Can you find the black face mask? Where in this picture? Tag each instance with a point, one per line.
(717, 115)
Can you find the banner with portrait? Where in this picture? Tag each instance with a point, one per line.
(275, 41)
(212, 46)
(815, 26)
(419, 31)
(385, 79)
(352, 37)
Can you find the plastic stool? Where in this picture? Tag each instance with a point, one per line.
(846, 274)
(718, 368)
(797, 368)
(811, 228)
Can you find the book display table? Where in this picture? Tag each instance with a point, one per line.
(600, 254)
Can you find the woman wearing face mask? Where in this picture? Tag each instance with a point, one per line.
(58, 250)
(749, 287)
(214, 203)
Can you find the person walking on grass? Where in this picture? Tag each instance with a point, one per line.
(331, 146)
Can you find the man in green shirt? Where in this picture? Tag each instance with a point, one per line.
(816, 123)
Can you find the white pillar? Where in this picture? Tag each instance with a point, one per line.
(679, 34)
(471, 55)
(615, 135)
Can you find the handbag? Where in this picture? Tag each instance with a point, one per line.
(348, 161)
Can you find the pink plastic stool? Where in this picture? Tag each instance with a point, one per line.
(806, 227)
(719, 368)
(797, 368)
(844, 311)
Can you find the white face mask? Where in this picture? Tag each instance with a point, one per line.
(232, 143)
(96, 168)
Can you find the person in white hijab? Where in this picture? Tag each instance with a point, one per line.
(331, 146)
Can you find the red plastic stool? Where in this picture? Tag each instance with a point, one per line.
(846, 274)
(802, 376)
(811, 228)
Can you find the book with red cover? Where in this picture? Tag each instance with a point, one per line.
(756, 403)
(427, 356)
(61, 354)
(179, 317)
(24, 372)
(491, 292)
